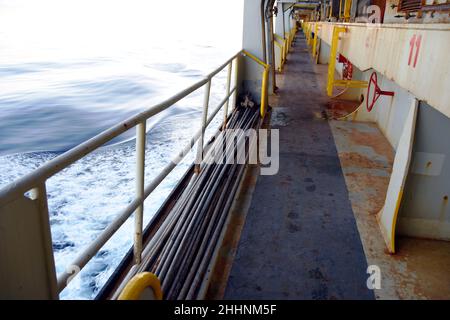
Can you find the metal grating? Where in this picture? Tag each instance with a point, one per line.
(410, 5)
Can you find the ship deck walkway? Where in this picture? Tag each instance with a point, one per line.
(310, 231)
(300, 238)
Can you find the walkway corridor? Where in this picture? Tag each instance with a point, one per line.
(300, 239)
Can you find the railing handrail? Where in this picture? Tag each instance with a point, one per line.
(35, 180)
(255, 58)
(29, 181)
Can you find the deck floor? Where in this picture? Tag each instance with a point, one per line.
(300, 238)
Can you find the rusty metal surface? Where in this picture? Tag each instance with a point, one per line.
(419, 270)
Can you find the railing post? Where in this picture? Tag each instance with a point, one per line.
(204, 118)
(140, 174)
(264, 91)
(225, 111)
(316, 29)
(40, 194)
(236, 77)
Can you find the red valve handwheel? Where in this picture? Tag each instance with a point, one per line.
(378, 92)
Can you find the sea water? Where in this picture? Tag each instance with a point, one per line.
(99, 66)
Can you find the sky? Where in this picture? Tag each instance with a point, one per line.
(88, 25)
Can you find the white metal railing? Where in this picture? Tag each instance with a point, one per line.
(35, 181)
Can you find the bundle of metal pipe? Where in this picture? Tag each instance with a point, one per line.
(182, 249)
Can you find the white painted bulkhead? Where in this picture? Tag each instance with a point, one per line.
(411, 61)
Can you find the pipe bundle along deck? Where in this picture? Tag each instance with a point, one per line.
(181, 251)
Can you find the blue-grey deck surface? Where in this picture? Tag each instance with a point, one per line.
(300, 239)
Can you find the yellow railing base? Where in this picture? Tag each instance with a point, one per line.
(136, 286)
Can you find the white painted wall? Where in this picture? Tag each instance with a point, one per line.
(250, 71)
(389, 113)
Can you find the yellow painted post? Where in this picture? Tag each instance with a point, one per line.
(264, 91)
(340, 10)
(308, 37)
(332, 59)
(347, 8)
(316, 29)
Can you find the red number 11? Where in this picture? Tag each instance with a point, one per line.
(415, 41)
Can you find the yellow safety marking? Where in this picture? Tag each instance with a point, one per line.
(397, 208)
(136, 286)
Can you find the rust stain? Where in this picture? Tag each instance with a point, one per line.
(354, 159)
(375, 141)
(340, 108)
(372, 190)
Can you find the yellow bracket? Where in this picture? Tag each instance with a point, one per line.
(265, 81)
(350, 83)
(140, 282)
(332, 59)
(332, 65)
